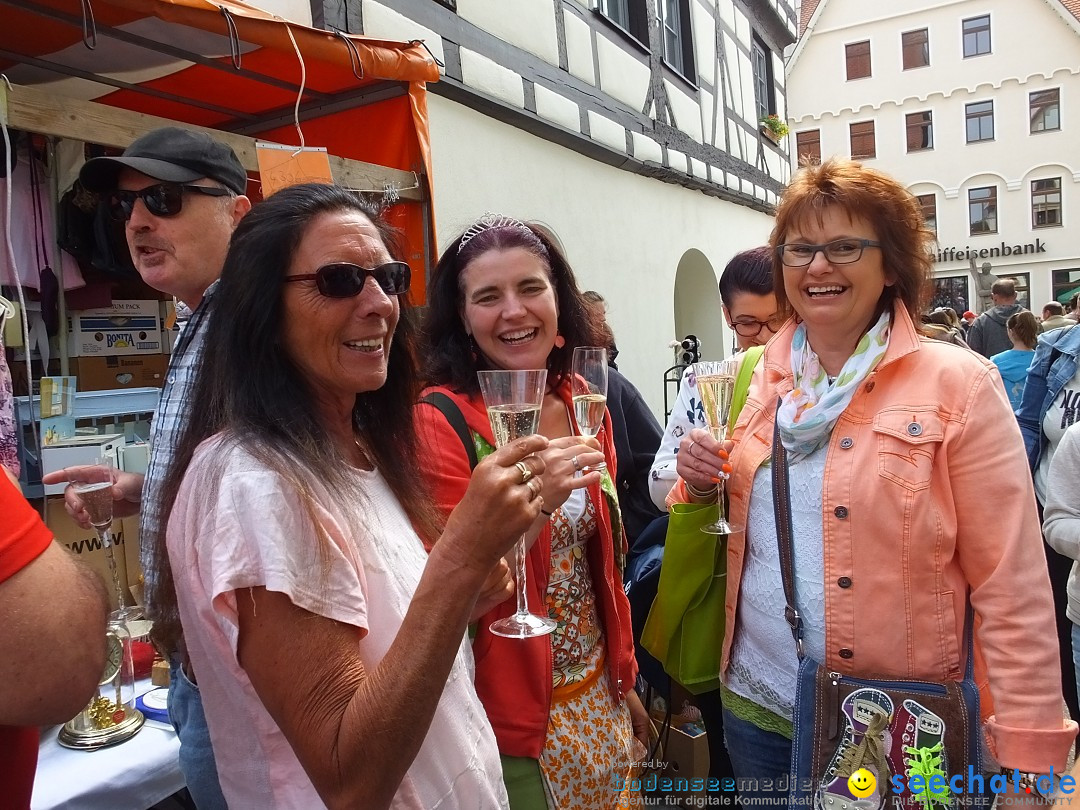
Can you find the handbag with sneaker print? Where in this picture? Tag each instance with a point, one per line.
(897, 730)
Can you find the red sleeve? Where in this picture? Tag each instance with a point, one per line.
(445, 462)
(23, 537)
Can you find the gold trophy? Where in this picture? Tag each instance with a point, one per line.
(111, 716)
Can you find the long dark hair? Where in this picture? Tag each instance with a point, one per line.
(249, 389)
(450, 358)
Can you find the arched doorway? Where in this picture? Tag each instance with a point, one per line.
(697, 305)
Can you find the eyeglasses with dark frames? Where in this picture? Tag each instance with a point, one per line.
(838, 251)
(753, 328)
(346, 280)
(161, 200)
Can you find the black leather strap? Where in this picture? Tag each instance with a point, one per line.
(448, 408)
(784, 540)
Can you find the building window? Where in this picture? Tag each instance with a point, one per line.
(1046, 203)
(979, 117)
(1066, 284)
(982, 210)
(950, 291)
(920, 131)
(629, 15)
(977, 36)
(915, 46)
(928, 203)
(857, 55)
(764, 96)
(808, 146)
(1045, 110)
(862, 140)
(674, 19)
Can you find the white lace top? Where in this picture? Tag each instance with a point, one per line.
(763, 658)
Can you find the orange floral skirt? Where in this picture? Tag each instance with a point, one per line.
(587, 756)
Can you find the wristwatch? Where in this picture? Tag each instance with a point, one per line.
(1029, 782)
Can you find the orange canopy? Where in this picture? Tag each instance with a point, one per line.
(232, 67)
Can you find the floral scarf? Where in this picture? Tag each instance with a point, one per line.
(809, 411)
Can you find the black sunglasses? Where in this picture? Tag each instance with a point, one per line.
(161, 200)
(345, 280)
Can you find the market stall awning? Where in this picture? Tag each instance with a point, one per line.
(237, 69)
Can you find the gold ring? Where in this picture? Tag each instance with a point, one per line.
(690, 447)
(533, 492)
(526, 473)
(574, 461)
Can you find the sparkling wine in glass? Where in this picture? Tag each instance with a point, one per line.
(589, 389)
(716, 387)
(513, 400)
(93, 484)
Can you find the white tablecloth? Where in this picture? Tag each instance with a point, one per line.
(134, 775)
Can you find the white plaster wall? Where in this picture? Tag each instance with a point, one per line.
(608, 132)
(530, 25)
(621, 75)
(579, 56)
(624, 234)
(557, 108)
(489, 77)
(298, 11)
(383, 22)
(687, 111)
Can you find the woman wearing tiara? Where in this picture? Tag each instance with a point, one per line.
(563, 706)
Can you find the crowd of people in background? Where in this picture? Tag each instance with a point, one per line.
(328, 543)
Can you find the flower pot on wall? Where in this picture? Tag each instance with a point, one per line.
(772, 136)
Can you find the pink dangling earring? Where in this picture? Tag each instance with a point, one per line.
(560, 341)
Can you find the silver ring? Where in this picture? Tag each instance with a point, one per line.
(574, 461)
(533, 492)
(526, 473)
(690, 448)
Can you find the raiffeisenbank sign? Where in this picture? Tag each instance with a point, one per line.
(966, 253)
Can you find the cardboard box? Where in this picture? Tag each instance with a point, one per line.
(107, 373)
(88, 548)
(126, 328)
(77, 451)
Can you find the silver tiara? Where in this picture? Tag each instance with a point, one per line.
(489, 221)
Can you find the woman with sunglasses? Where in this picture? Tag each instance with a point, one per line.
(903, 460)
(749, 306)
(330, 647)
(563, 706)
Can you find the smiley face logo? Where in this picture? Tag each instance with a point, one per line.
(861, 783)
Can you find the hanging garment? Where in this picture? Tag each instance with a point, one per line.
(24, 248)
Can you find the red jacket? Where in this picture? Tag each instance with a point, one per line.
(514, 676)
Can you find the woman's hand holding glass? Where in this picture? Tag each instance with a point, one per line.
(702, 462)
(499, 506)
(564, 459)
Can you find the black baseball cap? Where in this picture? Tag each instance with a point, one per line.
(171, 154)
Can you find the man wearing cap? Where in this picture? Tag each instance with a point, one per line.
(181, 194)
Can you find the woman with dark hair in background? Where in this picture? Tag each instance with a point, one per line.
(330, 647)
(563, 706)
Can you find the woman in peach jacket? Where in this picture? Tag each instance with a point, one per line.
(907, 491)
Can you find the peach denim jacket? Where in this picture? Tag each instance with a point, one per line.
(926, 494)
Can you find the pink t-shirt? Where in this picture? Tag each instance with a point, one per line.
(235, 525)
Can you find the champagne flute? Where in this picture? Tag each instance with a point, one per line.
(513, 400)
(716, 387)
(93, 484)
(589, 390)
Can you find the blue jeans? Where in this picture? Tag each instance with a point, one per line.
(196, 754)
(761, 761)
